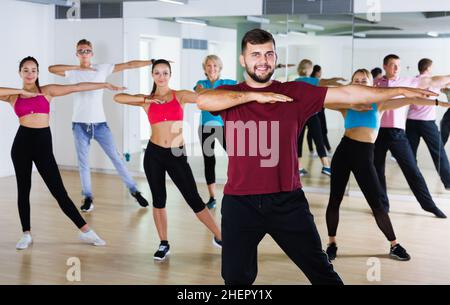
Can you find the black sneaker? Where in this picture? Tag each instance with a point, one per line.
(141, 200)
(399, 253)
(217, 243)
(438, 213)
(332, 251)
(162, 253)
(87, 205)
(211, 204)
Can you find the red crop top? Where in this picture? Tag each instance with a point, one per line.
(170, 111)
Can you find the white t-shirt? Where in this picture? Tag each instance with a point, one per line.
(88, 105)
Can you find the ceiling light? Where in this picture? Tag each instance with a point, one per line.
(297, 33)
(258, 19)
(313, 27)
(191, 21)
(180, 2)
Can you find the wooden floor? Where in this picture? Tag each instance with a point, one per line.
(132, 240)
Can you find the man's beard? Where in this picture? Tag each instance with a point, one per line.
(258, 79)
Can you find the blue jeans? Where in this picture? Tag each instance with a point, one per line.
(83, 133)
(428, 130)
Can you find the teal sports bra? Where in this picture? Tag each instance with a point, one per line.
(369, 119)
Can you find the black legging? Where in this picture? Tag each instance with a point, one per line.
(316, 130)
(323, 125)
(35, 145)
(159, 160)
(357, 157)
(207, 135)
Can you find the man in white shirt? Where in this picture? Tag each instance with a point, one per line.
(89, 121)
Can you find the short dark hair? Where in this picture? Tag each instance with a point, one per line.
(84, 42)
(389, 57)
(256, 36)
(424, 64)
(375, 72)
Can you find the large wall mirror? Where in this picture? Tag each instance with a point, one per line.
(411, 36)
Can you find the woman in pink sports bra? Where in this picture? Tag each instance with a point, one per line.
(33, 144)
(166, 153)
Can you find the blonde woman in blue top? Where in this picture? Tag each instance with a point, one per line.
(304, 70)
(355, 154)
(211, 126)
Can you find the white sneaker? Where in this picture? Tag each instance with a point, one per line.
(24, 242)
(91, 237)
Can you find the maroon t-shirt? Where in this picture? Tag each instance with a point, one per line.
(262, 138)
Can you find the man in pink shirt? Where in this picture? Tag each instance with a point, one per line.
(263, 119)
(392, 136)
(421, 123)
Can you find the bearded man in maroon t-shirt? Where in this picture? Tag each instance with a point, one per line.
(263, 195)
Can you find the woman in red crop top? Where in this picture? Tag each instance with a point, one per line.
(33, 144)
(166, 153)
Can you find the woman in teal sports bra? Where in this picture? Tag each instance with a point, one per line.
(355, 154)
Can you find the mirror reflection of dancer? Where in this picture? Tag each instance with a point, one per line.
(305, 69)
(33, 144)
(263, 194)
(392, 135)
(421, 123)
(355, 154)
(211, 126)
(166, 152)
(89, 121)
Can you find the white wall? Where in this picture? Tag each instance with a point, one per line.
(333, 54)
(26, 30)
(186, 69)
(107, 38)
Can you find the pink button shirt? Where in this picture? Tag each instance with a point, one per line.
(396, 118)
(423, 113)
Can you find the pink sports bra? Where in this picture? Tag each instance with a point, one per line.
(170, 111)
(26, 106)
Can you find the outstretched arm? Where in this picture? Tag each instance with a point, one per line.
(216, 100)
(132, 65)
(434, 81)
(351, 96)
(400, 102)
(61, 90)
(6, 93)
(61, 69)
(131, 99)
(186, 96)
(333, 82)
(136, 99)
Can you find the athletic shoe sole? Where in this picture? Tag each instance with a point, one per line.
(26, 247)
(161, 258)
(88, 210)
(399, 258)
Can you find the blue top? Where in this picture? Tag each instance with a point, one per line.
(369, 119)
(206, 118)
(310, 80)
